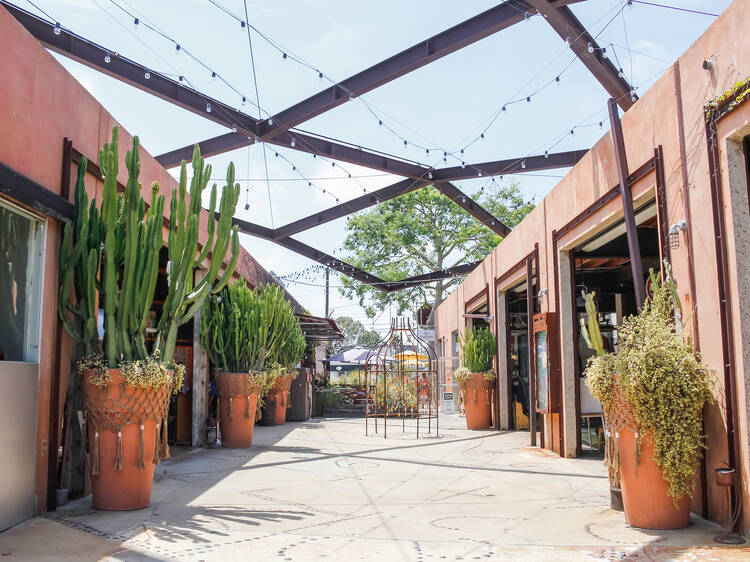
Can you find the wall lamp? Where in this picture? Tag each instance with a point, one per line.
(541, 293)
(674, 234)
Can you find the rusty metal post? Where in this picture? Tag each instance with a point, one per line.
(530, 345)
(634, 247)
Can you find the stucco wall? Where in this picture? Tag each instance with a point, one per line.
(669, 114)
(40, 104)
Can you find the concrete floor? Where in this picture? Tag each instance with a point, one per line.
(323, 490)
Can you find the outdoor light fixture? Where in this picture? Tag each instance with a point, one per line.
(107, 59)
(590, 47)
(709, 64)
(57, 29)
(674, 234)
(541, 293)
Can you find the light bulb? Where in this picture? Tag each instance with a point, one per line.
(277, 155)
(504, 108)
(479, 173)
(57, 29)
(481, 136)
(107, 58)
(405, 143)
(620, 73)
(427, 151)
(208, 108)
(270, 120)
(601, 125)
(136, 21)
(526, 16)
(462, 151)
(293, 143)
(309, 184)
(572, 132)
(247, 206)
(177, 48)
(463, 199)
(234, 128)
(523, 164)
(604, 52)
(528, 99)
(213, 76)
(463, 164)
(333, 164)
(380, 122)
(429, 175)
(567, 41)
(283, 56)
(557, 79)
(244, 100)
(591, 47)
(546, 154)
(320, 76)
(181, 77)
(147, 75)
(242, 24)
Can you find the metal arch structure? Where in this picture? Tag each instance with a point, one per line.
(279, 130)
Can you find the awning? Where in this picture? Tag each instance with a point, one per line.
(317, 328)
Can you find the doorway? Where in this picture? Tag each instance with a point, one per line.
(602, 267)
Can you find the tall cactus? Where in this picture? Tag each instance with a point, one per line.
(78, 269)
(185, 297)
(246, 330)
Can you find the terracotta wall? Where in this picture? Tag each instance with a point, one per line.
(670, 114)
(40, 104)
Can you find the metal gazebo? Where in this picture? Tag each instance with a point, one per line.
(401, 379)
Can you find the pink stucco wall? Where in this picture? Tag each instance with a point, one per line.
(670, 114)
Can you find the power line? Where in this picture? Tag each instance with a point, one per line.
(677, 8)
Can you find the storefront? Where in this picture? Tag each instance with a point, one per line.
(685, 164)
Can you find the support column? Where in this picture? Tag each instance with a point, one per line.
(567, 353)
(503, 366)
(532, 365)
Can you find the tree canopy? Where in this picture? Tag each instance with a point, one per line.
(355, 333)
(420, 232)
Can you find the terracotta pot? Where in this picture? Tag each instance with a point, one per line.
(277, 401)
(477, 402)
(237, 407)
(644, 490)
(122, 466)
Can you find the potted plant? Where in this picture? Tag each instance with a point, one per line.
(286, 349)
(234, 331)
(110, 258)
(476, 376)
(653, 389)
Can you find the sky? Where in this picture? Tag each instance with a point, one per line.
(444, 105)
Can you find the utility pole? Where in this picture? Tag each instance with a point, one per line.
(327, 273)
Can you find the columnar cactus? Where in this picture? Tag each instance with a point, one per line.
(592, 335)
(114, 252)
(185, 297)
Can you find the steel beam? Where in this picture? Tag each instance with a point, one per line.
(567, 26)
(448, 273)
(474, 208)
(352, 206)
(626, 195)
(465, 33)
(92, 55)
(510, 166)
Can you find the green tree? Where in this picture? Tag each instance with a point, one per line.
(355, 333)
(419, 232)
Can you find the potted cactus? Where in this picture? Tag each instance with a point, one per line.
(284, 355)
(235, 327)
(653, 390)
(476, 376)
(109, 258)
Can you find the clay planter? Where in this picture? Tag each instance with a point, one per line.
(477, 402)
(126, 431)
(277, 401)
(238, 400)
(644, 490)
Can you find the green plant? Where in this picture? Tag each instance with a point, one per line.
(185, 297)
(478, 349)
(286, 342)
(112, 251)
(462, 375)
(663, 382)
(592, 335)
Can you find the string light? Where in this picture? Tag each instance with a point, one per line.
(147, 75)
(107, 58)
(57, 29)
(208, 108)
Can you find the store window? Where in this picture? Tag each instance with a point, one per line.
(21, 279)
